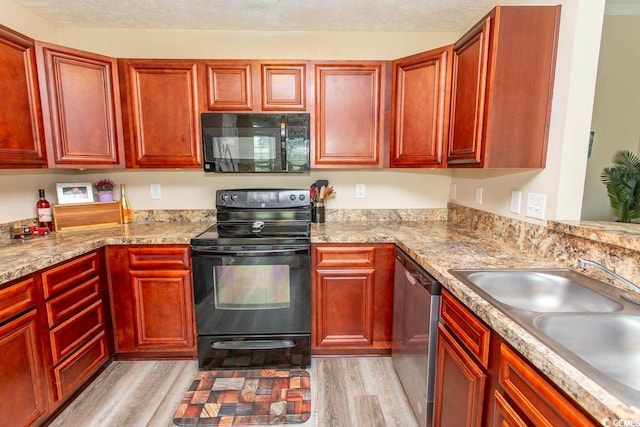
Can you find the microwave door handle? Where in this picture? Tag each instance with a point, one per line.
(283, 144)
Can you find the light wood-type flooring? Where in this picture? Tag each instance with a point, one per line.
(345, 392)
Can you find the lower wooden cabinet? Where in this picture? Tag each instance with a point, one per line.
(152, 296)
(352, 297)
(23, 391)
(482, 381)
(77, 321)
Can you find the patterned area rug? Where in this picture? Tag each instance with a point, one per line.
(246, 397)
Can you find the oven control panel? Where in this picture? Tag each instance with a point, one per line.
(262, 198)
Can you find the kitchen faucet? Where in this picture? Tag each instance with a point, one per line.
(582, 263)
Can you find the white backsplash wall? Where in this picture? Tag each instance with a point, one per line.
(194, 189)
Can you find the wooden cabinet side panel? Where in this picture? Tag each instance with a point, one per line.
(460, 384)
(470, 69)
(121, 298)
(344, 308)
(22, 367)
(348, 114)
(383, 295)
(163, 113)
(81, 104)
(420, 108)
(22, 142)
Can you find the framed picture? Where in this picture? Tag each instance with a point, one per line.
(74, 193)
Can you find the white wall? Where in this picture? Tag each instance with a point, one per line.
(616, 110)
(562, 180)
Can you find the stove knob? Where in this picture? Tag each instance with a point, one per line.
(292, 197)
(224, 197)
(234, 197)
(301, 197)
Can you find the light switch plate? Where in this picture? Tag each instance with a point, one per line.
(155, 191)
(516, 201)
(360, 191)
(478, 195)
(536, 205)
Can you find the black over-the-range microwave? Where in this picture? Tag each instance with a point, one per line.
(254, 142)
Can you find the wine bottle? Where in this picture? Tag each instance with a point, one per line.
(124, 205)
(43, 208)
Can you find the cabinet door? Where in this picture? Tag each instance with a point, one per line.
(22, 367)
(421, 100)
(228, 86)
(534, 396)
(81, 106)
(162, 113)
(344, 308)
(349, 114)
(163, 309)
(21, 129)
(284, 87)
(470, 65)
(460, 384)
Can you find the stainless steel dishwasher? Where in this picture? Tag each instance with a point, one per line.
(416, 308)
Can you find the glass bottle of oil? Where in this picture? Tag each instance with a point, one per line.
(125, 206)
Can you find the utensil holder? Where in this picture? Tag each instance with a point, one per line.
(317, 212)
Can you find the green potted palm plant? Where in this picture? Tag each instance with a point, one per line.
(623, 185)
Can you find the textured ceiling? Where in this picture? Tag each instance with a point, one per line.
(263, 15)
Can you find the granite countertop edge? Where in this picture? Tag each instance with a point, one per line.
(436, 246)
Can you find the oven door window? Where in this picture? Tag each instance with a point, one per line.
(251, 287)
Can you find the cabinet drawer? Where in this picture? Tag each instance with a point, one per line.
(538, 399)
(345, 256)
(69, 274)
(77, 368)
(465, 325)
(73, 333)
(159, 258)
(16, 298)
(66, 305)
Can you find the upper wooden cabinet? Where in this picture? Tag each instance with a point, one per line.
(161, 104)
(21, 131)
(255, 85)
(420, 108)
(503, 71)
(351, 114)
(81, 107)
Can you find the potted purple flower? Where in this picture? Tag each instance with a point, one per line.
(104, 188)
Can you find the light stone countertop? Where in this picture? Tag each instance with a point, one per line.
(436, 245)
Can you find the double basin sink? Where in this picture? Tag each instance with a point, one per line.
(583, 319)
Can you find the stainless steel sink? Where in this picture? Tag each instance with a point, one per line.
(542, 291)
(609, 343)
(580, 318)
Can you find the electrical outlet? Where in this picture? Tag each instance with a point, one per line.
(536, 205)
(516, 201)
(478, 195)
(360, 191)
(452, 191)
(155, 191)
